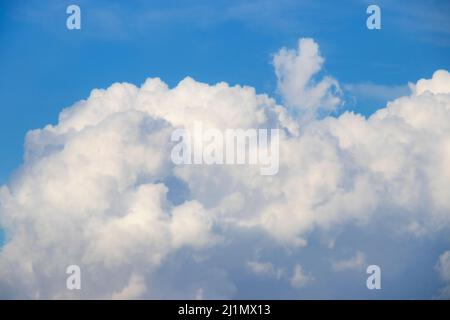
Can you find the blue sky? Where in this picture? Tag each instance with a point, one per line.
(44, 67)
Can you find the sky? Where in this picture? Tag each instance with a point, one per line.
(45, 68)
(228, 41)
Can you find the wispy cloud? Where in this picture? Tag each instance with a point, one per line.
(378, 92)
(299, 277)
(354, 263)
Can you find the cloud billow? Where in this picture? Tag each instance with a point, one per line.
(91, 190)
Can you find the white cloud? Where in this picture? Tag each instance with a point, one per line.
(443, 268)
(299, 278)
(92, 189)
(354, 263)
(266, 269)
(438, 84)
(135, 288)
(296, 71)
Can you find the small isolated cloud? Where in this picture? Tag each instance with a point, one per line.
(199, 295)
(299, 278)
(355, 263)
(265, 269)
(443, 268)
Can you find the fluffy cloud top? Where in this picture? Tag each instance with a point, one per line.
(296, 71)
(439, 83)
(94, 189)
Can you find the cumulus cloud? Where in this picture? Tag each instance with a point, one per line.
(296, 71)
(95, 190)
(438, 84)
